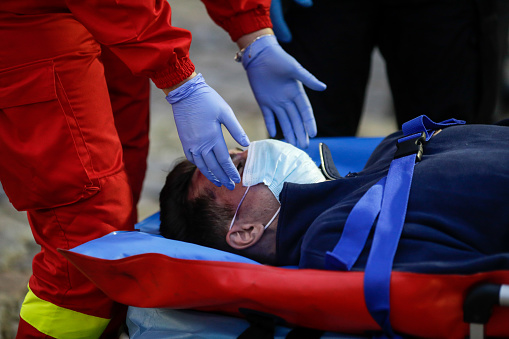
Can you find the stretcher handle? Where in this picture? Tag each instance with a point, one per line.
(479, 303)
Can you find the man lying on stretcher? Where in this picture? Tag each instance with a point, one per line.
(285, 213)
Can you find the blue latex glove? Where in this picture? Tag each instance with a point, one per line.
(276, 79)
(199, 112)
(278, 21)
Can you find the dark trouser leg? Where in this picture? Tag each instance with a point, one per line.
(432, 53)
(334, 41)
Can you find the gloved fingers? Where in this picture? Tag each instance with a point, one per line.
(215, 165)
(203, 168)
(286, 125)
(224, 160)
(233, 126)
(270, 121)
(280, 27)
(298, 124)
(306, 112)
(309, 80)
(304, 3)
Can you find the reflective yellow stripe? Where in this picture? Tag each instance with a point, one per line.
(59, 322)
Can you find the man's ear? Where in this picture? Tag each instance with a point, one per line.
(242, 236)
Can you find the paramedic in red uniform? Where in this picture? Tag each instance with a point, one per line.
(60, 150)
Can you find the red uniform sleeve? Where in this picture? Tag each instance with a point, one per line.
(239, 17)
(141, 35)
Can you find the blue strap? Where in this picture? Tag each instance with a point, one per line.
(377, 276)
(384, 197)
(389, 198)
(356, 230)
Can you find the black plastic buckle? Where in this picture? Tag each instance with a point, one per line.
(411, 146)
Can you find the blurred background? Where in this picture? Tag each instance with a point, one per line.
(212, 52)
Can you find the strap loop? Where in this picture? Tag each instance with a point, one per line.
(424, 124)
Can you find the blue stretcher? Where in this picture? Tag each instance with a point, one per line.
(104, 260)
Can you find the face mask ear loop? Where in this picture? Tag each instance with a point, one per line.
(240, 203)
(271, 220)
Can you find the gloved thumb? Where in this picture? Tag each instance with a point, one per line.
(280, 27)
(309, 80)
(304, 3)
(233, 126)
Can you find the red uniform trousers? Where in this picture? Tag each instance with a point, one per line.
(130, 101)
(62, 163)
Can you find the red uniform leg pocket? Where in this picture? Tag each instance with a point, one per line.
(44, 159)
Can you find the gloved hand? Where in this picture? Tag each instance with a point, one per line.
(278, 21)
(276, 79)
(199, 112)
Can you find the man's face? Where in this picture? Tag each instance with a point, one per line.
(259, 203)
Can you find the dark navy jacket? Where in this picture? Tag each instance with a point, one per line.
(458, 211)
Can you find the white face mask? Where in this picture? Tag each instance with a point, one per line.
(274, 162)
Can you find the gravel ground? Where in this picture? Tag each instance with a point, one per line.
(212, 52)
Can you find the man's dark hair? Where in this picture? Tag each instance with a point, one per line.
(199, 220)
